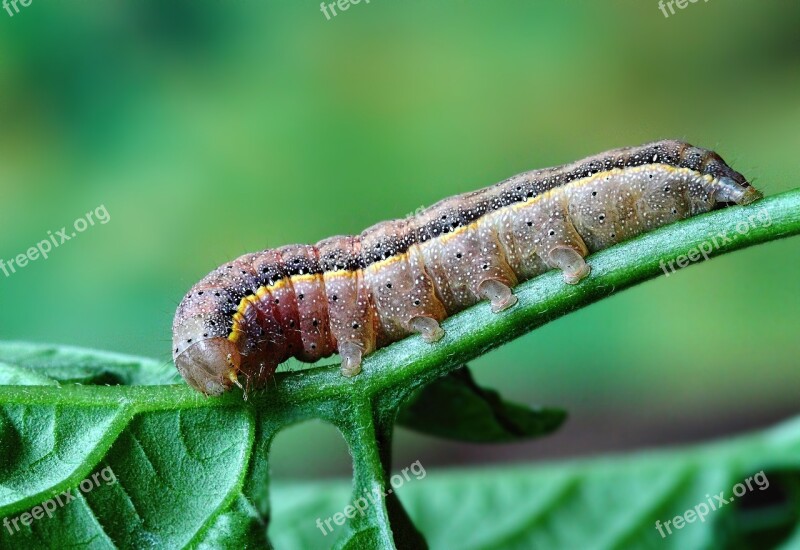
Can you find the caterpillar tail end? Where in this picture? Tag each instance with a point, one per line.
(729, 190)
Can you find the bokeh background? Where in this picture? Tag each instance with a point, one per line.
(209, 129)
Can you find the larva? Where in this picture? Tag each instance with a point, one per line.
(355, 294)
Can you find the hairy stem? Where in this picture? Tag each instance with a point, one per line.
(395, 371)
(364, 407)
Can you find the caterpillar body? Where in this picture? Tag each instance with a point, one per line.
(355, 294)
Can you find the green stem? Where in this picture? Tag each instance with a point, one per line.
(398, 369)
(364, 438)
(365, 407)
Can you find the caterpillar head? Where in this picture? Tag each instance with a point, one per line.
(208, 363)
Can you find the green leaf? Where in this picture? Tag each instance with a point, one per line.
(173, 469)
(613, 502)
(455, 407)
(193, 471)
(36, 364)
(241, 526)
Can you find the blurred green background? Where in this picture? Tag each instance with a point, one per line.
(209, 129)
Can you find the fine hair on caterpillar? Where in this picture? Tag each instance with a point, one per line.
(354, 294)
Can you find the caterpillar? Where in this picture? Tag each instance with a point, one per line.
(356, 294)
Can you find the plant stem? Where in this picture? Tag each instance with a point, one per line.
(411, 363)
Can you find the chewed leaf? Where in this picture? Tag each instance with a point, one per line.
(42, 365)
(455, 407)
(14, 375)
(120, 466)
(181, 470)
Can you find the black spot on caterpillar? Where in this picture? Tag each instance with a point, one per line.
(355, 294)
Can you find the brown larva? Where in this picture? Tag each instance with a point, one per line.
(355, 294)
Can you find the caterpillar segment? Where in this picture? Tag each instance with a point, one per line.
(354, 294)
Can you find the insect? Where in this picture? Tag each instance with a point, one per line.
(355, 294)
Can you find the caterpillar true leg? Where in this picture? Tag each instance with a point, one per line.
(571, 263)
(498, 293)
(428, 328)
